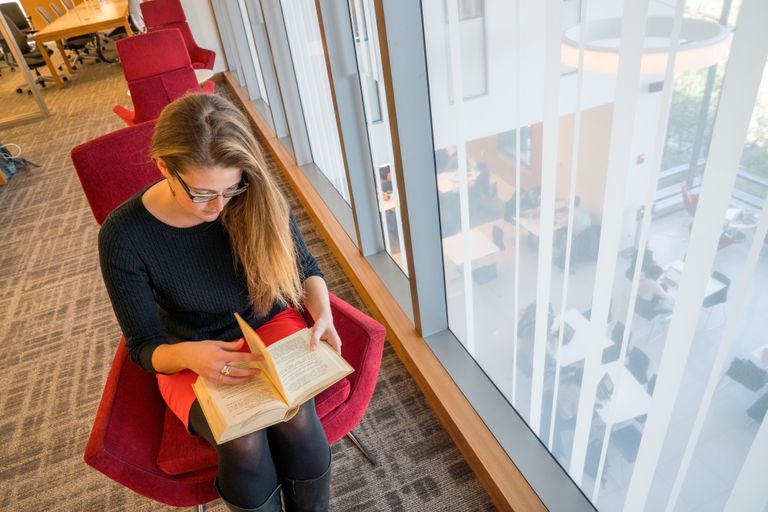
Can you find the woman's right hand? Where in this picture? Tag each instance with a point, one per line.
(207, 359)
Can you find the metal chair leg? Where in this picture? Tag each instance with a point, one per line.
(362, 448)
(201, 507)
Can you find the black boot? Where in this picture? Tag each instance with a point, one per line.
(307, 495)
(271, 505)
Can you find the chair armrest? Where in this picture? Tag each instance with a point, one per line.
(206, 56)
(123, 113)
(209, 87)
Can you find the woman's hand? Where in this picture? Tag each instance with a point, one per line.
(324, 330)
(208, 358)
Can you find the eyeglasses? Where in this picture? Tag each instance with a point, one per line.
(207, 198)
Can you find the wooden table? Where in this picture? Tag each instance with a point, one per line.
(584, 335)
(674, 272)
(531, 222)
(480, 246)
(86, 18)
(630, 398)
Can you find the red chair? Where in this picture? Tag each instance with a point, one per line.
(157, 69)
(135, 439)
(160, 14)
(691, 201)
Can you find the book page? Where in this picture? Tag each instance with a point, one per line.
(303, 371)
(257, 347)
(237, 402)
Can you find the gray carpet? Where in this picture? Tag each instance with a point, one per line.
(58, 335)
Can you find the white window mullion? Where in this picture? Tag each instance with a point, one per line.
(627, 91)
(574, 176)
(750, 492)
(650, 194)
(516, 117)
(550, 135)
(739, 92)
(454, 38)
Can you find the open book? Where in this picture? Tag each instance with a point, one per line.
(290, 375)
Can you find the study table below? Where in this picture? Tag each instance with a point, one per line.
(85, 18)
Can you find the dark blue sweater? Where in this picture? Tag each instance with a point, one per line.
(172, 284)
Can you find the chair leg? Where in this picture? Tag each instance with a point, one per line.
(200, 507)
(362, 448)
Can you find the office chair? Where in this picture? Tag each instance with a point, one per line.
(747, 373)
(637, 364)
(757, 410)
(135, 440)
(14, 12)
(164, 14)
(79, 45)
(498, 237)
(32, 57)
(156, 82)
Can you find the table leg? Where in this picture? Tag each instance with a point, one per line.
(41, 48)
(63, 53)
(127, 27)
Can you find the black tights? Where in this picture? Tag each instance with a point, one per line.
(249, 465)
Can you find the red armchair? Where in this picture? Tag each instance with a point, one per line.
(691, 201)
(157, 69)
(160, 14)
(135, 439)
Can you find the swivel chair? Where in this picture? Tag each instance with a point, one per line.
(135, 440)
(32, 57)
(79, 45)
(14, 12)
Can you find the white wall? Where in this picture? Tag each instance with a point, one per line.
(202, 22)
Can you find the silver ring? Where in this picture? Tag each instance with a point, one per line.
(225, 369)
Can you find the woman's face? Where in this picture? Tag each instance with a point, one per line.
(203, 183)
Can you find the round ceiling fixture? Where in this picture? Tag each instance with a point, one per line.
(702, 44)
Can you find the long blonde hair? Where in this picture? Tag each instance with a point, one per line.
(201, 130)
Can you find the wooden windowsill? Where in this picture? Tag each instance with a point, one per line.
(504, 483)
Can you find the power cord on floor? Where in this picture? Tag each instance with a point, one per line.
(11, 160)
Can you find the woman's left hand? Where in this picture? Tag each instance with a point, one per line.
(324, 330)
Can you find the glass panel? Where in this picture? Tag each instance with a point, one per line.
(16, 94)
(312, 77)
(260, 92)
(271, 102)
(518, 180)
(374, 101)
(472, 44)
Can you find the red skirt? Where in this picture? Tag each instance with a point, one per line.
(176, 388)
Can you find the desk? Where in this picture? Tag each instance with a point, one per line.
(759, 356)
(674, 272)
(479, 246)
(531, 223)
(583, 336)
(630, 398)
(85, 18)
(449, 181)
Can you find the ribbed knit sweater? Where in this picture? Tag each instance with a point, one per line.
(169, 284)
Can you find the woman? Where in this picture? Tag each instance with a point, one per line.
(213, 237)
(652, 298)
